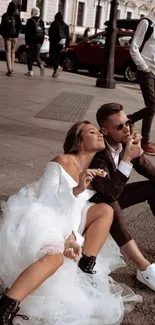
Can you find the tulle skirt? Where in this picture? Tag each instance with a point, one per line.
(28, 231)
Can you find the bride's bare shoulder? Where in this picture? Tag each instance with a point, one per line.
(64, 160)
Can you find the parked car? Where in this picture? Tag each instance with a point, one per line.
(126, 24)
(89, 53)
(21, 49)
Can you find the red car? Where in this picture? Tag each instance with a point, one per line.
(89, 55)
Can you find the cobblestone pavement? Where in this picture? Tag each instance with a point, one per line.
(28, 142)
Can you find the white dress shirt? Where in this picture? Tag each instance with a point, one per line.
(123, 167)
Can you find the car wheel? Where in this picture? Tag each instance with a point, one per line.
(22, 55)
(130, 73)
(69, 63)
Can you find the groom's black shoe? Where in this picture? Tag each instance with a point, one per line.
(87, 263)
(8, 310)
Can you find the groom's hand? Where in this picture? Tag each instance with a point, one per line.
(132, 150)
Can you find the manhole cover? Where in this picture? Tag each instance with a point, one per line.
(66, 107)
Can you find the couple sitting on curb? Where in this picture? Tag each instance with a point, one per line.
(81, 193)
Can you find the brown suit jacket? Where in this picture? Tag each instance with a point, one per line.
(110, 187)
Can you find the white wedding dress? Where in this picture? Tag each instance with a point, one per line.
(36, 221)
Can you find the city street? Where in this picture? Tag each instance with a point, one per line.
(35, 114)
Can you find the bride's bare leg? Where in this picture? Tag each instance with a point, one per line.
(34, 276)
(99, 220)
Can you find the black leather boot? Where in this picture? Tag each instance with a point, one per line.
(87, 263)
(8, 310)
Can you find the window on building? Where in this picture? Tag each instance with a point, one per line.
(141, 16)
(98, 16)
(24, 5)
(118, 14)
(80, 14)
(128, 15)
(61, 7)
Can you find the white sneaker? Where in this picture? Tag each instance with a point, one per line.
(42, 70)
(57, 72)
(29, 73)
(59, 68)
(147, 277)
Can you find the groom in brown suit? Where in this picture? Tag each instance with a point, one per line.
(122, 153)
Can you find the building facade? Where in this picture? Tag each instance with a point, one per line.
(80, 14)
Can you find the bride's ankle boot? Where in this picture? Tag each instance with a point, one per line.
(8, 310)
(87, 263)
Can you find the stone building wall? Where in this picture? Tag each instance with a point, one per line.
(126, 9)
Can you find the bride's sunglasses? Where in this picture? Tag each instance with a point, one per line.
(120, 127)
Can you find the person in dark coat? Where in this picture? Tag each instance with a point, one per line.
(59, 38)
(34, 38)
(10, 28)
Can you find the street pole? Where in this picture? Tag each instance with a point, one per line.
(97, 16)
(107, 72)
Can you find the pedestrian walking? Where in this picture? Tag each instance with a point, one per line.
(34, 37)
(10, 27)
(142, 51)
(59, 38)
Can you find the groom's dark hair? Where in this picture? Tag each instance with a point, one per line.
(106, 110)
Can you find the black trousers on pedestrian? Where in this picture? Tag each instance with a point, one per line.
(132, 194)
(33, 55)
(55, 50)
(147, 85)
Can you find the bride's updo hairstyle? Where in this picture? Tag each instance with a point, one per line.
(73, 139)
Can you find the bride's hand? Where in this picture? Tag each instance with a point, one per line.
(72, 249)
(85, 178)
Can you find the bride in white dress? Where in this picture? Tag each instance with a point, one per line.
(40, 239)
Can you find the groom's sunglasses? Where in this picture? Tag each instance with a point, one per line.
(120, 127)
